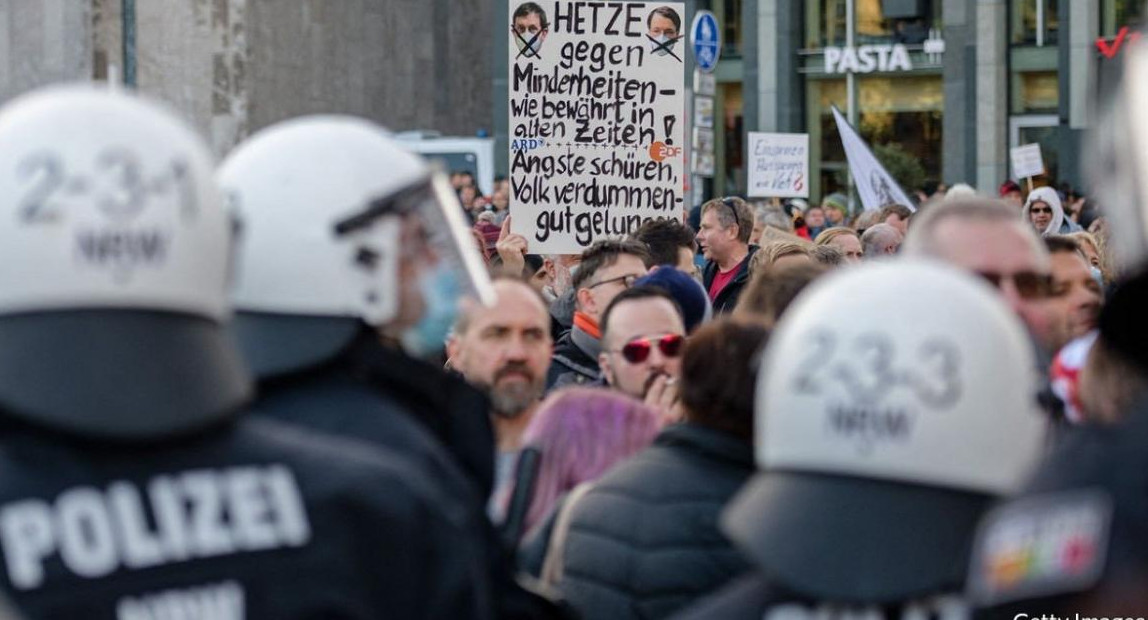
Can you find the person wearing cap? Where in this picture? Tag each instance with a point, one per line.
(136, 482)
(836, 207)
(884, 428)
(686, 292)
(723, 238)
(1042, 209)
(657, 514)
(642, 337)
(607, 268)
(1011, 193)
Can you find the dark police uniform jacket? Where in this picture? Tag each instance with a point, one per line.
(346, 398)
(250, 519)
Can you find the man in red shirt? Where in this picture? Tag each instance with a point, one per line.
(723, 238)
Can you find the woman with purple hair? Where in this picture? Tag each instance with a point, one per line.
(581, 432)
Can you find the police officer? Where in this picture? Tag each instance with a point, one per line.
(132, 485)
(884, 426)
(334, 257)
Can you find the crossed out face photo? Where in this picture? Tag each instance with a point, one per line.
(528, 29)
(664, 29)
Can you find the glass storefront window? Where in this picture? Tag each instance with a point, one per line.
(1116, 14)
(904, 110)
(731, 27)
(1034, 22)
(1036, 92)
(825, 23)
(877, 21)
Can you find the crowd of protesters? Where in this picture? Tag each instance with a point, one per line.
(352, 391)
(665, 330)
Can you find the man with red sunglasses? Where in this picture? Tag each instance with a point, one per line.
(642, 337)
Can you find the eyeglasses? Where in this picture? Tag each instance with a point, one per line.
(638, 350)
(732, 209)
(1038, 210)
(1029, 284)
(626, 280)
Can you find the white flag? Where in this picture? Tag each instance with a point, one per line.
(873, 182)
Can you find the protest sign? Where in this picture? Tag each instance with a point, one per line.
(778, 165)
(1027, 162)
(597, 127)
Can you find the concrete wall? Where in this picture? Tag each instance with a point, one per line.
(992, 95)
(958, 164)
(235, 66)
(42, 42)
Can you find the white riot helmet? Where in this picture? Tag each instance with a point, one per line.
(1117, 165)
(114, 292)
(895, 400)
(321, 201)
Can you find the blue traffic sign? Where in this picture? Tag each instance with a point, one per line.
(706, 39)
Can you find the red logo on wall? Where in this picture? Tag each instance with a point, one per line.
(1109, 48)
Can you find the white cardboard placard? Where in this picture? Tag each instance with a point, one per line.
(597, 120)
(778, 165)
(1027, 161)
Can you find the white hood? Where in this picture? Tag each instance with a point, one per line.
(1048, 196)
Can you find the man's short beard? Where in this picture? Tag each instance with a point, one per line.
(513, 401)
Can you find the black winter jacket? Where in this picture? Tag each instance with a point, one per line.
(573, 363)
(729, 295)
(644, 542)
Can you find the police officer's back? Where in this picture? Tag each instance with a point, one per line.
(131, 483)
(894, 402)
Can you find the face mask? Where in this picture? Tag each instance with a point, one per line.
(657, 45)
(440, 290)
(1097, 275)
(528, 44)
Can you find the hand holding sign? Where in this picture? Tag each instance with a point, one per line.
(511, 249)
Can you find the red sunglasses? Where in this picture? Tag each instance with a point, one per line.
(638, 350)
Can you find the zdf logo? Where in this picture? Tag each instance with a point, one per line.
(661, 150)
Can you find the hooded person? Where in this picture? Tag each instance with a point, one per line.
(1044, 211)
(869, 432)
(332, 260)
(123, 401)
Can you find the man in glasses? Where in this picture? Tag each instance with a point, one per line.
(723, 238)
(985, 237)
(607, 268)
(643, 334)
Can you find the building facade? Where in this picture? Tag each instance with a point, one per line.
(945, 87)
(953, 83)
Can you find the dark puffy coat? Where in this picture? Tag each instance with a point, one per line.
(729, 295)
(644, 542)
(572, 363)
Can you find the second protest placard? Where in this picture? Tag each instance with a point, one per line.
(597, 124)
(778, 165)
